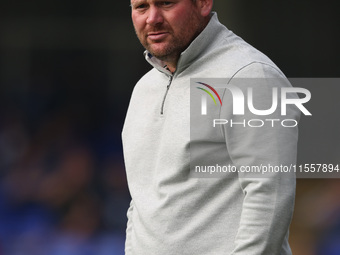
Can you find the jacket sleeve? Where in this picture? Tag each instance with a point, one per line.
(129, 229)
(268, 198)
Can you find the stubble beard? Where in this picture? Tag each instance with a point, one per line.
(177, 43)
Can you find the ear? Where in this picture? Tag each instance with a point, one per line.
(205, 7)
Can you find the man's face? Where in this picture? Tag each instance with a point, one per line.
(166, 28)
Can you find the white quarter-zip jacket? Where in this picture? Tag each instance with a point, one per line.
(172, 213)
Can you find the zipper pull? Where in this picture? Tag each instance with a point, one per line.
(166, 93)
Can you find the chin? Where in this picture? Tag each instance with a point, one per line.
(159, 53)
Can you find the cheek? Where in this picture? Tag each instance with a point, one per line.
(181, 18)
(138, 22)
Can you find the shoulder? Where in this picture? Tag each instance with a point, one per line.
(151, 83)
(147, 78)
(258, 69)
(235, 57)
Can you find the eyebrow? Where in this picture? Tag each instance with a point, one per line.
(135, 3)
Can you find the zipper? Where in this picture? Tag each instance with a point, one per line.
(166, 93)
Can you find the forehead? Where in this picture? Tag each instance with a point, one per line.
(135, 2)
(142, 1)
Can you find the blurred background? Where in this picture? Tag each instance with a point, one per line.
(67, 69)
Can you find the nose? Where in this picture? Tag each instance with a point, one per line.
(155, 16)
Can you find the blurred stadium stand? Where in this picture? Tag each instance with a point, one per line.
(67, 69)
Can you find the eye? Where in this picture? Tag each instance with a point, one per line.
(140, 6)
(166, 3)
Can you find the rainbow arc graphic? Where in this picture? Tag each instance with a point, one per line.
(204, 98)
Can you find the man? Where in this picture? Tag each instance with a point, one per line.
(171, 212)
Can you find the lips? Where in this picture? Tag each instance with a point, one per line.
(157, 36)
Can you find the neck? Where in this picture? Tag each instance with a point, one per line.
(171, 61)
(171, 66)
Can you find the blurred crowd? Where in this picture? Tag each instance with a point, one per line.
(63, 187)
(66, 76)
(315, 229)
(62, 180)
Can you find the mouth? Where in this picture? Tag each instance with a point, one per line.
(157, 36)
